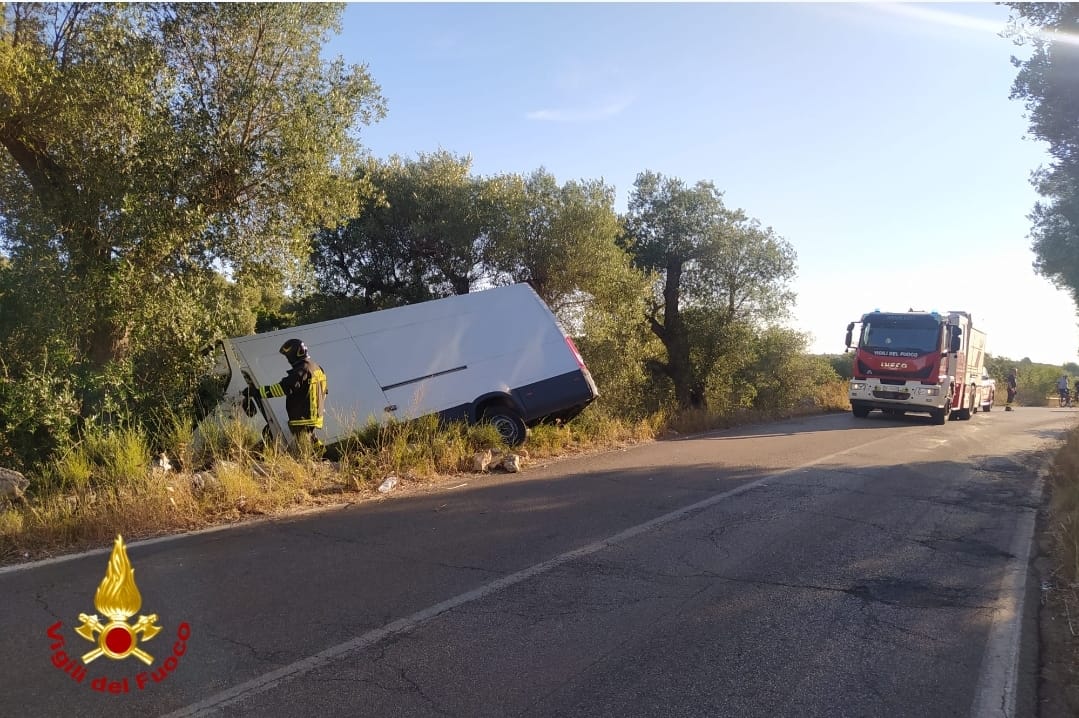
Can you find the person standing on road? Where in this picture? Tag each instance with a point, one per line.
(1013, 387)
(1062, 390)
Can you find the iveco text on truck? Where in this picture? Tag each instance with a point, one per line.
(497, 355)
(918, 362)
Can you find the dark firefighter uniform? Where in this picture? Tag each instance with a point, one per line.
(304, 388)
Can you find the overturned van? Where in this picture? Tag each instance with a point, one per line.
(497, 355)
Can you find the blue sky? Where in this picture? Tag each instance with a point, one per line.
(879, 140)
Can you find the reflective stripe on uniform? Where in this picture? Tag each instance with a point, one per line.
(273, 390)
(316, 389)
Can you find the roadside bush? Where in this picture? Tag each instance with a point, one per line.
(781, 376)
(834, 395)
(842, 364)
(38, 413)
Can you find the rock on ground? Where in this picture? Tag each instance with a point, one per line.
(12, 484)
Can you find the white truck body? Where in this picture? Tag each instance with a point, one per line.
(976, 372)
(498, 352)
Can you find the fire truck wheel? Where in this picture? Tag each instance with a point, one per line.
(939, 416)
(860, 412)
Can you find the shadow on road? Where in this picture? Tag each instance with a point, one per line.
(812, 424)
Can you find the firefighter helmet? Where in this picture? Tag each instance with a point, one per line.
(294, 350)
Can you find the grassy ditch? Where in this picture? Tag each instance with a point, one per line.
(1060, 623)
(108, 483)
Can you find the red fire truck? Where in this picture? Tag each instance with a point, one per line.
(921, 362)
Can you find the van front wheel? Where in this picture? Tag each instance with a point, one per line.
(508, 422)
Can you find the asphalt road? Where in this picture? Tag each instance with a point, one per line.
(826, 566)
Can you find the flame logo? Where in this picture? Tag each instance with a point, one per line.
(118, 597)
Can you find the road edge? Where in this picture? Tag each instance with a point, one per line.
(997, 690)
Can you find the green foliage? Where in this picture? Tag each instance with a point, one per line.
(782, 375)
(484, 435)
(173, 434)
(1036, 382)
(618, 347)
(38, 410)
(718, 272)
(417, 237)
(561, 240)
(224, 437)
(842, 364)
(145, 147)
(106, 458)
(1048, 83)
(421, 447)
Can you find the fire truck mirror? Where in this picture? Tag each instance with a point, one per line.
(850, 332)
(956, 340)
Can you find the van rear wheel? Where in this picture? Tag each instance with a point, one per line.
(509, 423)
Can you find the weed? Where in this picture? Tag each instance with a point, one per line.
(1064, 506)
(833, 396)
(176, 437)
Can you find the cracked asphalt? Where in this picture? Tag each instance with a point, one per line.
(830, 567)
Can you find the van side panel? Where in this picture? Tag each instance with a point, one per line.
(355, 397)
(449, 360)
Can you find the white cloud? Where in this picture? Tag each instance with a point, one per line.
(580, 114)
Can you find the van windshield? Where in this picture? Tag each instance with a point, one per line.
(904, 336)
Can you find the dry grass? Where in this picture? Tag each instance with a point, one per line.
(1064, 507)
(833, 396)
(1061, 637)
(106, 484)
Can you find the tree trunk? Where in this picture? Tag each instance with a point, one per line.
(107, 342)
(461, 285)
(688, 388)
(105, 338)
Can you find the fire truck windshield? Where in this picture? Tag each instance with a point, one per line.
(920, 337)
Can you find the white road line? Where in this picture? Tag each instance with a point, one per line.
(267, 681)
(998, 681)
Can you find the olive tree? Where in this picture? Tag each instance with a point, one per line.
(148, 148)
(717, 270)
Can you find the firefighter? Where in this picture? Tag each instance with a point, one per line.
(304, 388)
(1013, 388)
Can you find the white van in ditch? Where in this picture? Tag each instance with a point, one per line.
(496, 355)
